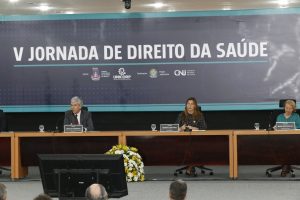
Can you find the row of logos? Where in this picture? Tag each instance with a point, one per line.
(121, 74)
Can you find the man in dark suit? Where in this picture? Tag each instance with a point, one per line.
(78, 116)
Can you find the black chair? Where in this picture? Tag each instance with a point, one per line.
(291, 169)
(3, 128)
(193, 170)
(85, 108)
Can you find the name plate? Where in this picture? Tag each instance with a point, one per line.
(285, 126)
(73, 128)
(169, 127)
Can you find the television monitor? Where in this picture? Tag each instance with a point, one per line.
(67, 176)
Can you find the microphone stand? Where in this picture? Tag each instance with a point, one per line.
(56, 124)
(270, 128)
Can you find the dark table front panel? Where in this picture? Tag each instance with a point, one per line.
(181, 150)
(31, 146)
(269, 149)
(5, 151)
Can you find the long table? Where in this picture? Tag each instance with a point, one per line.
(215, 146)
(265, 148)
(28, 145)
(212, 147)
(7, 151)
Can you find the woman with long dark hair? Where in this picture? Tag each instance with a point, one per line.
(191, 118)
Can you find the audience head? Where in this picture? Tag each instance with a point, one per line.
(96, 192)
(178, 190)
(42, 197)
(76, 104)
(3, 193)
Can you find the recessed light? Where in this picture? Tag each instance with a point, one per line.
(226, 8)
(157, 5)
(69, 12)
(43, 7)
(283, 3)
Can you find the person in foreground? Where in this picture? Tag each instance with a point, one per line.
(178, 190)
(78, 116)
(191, 118)
(289, 115)
(3, 192)
(96, 192)
(42, 197)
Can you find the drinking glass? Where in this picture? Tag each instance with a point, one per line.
(153, 127)
(41, 128)
(256, 126)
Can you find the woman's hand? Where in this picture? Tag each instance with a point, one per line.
(182, 128)
(193, 128)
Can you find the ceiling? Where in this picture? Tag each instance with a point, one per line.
(38, 7)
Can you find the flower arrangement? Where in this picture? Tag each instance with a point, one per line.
(134, 166)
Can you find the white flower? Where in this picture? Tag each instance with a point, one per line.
(135, 166)
(118, 152)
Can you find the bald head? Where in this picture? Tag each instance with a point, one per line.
(3, 192)
(178, 190)
(96, 192)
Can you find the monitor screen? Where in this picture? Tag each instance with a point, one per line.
(68, 175)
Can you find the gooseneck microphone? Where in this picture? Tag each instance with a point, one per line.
(270, 128)
(59, 119)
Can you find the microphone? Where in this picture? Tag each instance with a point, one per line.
(187, 129)
(270, 128)
(59, 119)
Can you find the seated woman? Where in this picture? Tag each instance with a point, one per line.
(289, 115)
(191, 119)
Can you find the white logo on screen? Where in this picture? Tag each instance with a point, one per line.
(178, 72)
(122, 71)
(122, 75)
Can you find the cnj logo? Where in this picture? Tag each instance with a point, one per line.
(178, 72)
(184, 72)
(122, 75)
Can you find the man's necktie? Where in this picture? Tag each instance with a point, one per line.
(76, 121)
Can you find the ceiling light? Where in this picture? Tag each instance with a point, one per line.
(283, 3)
(69, 12)
(157, 5)
(43, 7)
(13, 1)
(171, 10)
(226, 8)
